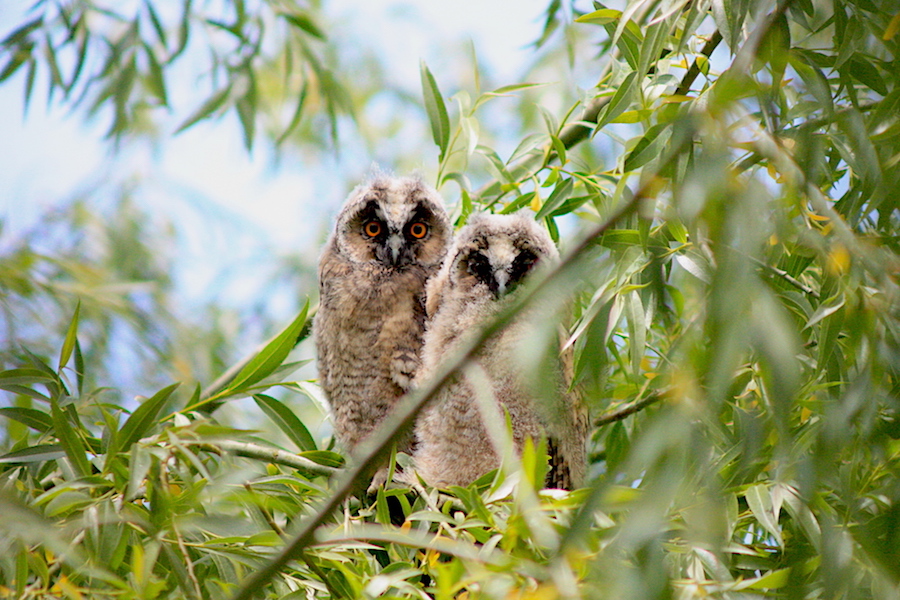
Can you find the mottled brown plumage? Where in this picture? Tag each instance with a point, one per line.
(491, 256)
(390, 236)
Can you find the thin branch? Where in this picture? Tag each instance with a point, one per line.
(708, 48)
(629, 409)
(273, 455)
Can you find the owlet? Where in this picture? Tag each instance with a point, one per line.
(391, 235)
(490, 257)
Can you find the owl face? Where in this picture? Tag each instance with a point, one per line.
(495, 253)
(393, 223)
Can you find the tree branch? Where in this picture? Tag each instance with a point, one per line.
(273, 455)
(405, 412)
(629, 409)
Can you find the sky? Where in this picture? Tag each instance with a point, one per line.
(52, 154)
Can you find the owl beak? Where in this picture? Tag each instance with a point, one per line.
(395, 245)
(502, 281)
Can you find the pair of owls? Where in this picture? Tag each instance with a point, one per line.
(398, 294)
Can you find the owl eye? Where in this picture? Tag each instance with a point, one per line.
(418, 230)
(372, 228)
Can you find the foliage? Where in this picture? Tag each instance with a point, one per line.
(121, 60)
(733, 279)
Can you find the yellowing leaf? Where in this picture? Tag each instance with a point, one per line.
(838, 260)
(892, 28)
(815, 217)
(600, 17)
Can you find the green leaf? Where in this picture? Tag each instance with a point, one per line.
(39, 453)
(269, 358)
(600, 17)
(139, 423)
(560, 194)
(69, 440)
(19, 35)
(518, 203)
(302, 21)
(18, 59)
(31, 417)
(212, 104)
(71, 339)
(866, 73)
(436, 109)
(324, 457)
(648, 147)
(287, 421)
(156, 81)
(759, 499)
(770, 581)
(621, 100)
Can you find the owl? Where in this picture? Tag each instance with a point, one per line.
(390, 236)
(490, 258)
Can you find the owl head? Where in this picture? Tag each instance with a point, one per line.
(491, 256)
(393, 223)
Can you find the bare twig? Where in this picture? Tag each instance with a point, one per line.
(688, 80)
(273, 455)
(629, 409)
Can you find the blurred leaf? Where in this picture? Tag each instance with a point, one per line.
(71, 339)
(212, 104)
(303, 22)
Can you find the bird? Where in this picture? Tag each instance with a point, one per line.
(488, 261)
(390, 236)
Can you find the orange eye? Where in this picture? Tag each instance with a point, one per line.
(372, 228)
(418, 230)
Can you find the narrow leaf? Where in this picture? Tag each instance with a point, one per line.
(69, 440)
(436, 109)
(212, 104)
(31, 417)
(621, 100)
(269, 358)
(32, 454)
(760, 501)
(287, 422)
(303, 22)
(560, 194)
(139, 423)
(71, 339)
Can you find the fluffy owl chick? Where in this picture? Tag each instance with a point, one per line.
(490, 257)
(390, 236)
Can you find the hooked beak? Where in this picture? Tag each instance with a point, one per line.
(502, 281)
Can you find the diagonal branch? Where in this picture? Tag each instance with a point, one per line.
(404, 414)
